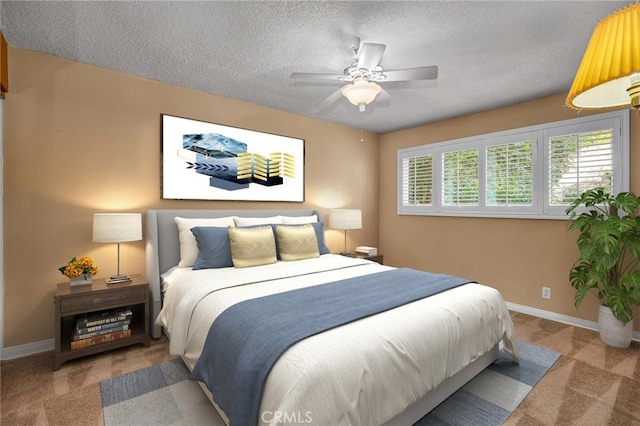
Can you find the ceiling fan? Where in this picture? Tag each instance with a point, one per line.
(364, 73)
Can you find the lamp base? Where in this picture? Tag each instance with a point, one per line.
(116, 279)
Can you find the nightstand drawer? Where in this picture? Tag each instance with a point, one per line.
(103, 299)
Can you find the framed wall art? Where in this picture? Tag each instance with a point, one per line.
(207, 161)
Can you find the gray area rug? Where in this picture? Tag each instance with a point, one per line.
(163, 395)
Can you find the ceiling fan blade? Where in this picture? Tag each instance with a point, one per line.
(315, 76)
(324, 105)
(420, 73)
(383, 96)
(369, 55)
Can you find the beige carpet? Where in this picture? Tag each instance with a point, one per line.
(33, 394)
(592, 384)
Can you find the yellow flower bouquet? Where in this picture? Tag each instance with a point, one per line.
(77, 268)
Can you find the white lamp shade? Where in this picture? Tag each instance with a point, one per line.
(117, 227)
(345, 219)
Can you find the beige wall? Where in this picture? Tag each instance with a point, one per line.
(80, 139)
(516, 256)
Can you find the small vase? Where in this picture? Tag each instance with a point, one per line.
(80, 280)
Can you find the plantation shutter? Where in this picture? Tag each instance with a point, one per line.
(509, 174)
(578, 162)
(417, 181)
(460, 178)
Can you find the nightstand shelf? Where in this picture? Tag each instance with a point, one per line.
(73, 301)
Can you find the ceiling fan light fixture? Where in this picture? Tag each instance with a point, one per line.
(362, 92)
(609, 74)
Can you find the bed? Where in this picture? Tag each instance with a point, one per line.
(389, 368)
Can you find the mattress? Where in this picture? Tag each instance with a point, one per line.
(365, 372)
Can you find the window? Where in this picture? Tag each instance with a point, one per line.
(530, 172)
(577, 162)
(417, 181)
(460, 178)
(509, 179)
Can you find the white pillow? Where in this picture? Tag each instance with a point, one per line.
(248, 221)
(299, 220)
(188, 244)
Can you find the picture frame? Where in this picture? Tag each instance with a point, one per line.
(209, 161)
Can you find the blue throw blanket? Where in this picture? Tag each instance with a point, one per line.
(247, 339)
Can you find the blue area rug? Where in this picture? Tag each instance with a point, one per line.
(489, 398)
(163, 395)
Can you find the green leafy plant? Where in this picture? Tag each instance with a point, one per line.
(609, 245)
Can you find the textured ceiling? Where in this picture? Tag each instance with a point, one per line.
(489, 54)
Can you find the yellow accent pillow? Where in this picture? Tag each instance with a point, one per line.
(297, 242)
(252, 246)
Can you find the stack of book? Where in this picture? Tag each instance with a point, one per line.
(101, 327)
(369, 251)
(118, 279)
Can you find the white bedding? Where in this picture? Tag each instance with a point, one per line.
(365, 372)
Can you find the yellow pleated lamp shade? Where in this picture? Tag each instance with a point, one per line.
(609, 75)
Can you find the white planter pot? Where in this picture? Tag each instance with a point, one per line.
(81, 280)
(612, 331)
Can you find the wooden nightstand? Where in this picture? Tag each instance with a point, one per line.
(375, 258)
(71, 301)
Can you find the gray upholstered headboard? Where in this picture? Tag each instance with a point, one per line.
(163, 245)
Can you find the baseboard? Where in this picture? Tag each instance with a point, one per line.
(27, 349)
(566, 319)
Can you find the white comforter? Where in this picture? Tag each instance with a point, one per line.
(365, 372)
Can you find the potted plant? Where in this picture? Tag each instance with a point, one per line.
(609, 244)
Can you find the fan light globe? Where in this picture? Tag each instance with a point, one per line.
(362, 92)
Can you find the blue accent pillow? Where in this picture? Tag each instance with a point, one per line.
(317, 226)
(214, 249)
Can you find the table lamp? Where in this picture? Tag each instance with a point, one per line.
(117, 228)
(345, 219)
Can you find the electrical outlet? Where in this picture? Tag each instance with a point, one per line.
(546, 293)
